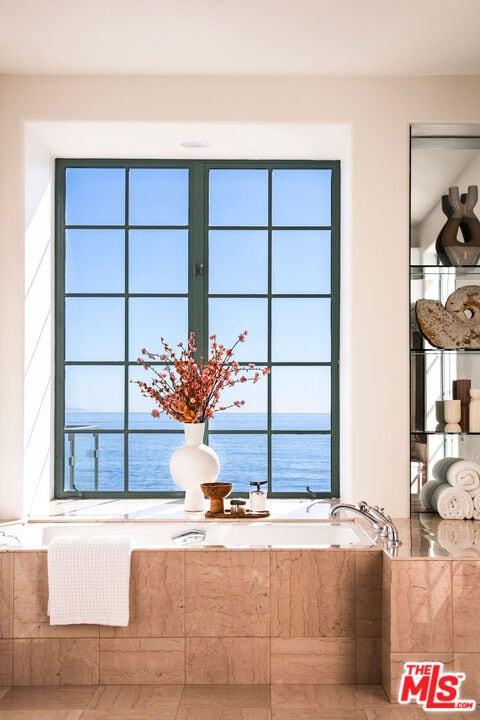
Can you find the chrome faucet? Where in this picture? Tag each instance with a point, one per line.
(380, 523)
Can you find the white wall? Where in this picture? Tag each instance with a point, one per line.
(375, 441)
(38, 326)
(44, 141)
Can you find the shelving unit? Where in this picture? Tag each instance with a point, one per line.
(440, 158)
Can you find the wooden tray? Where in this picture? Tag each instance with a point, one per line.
(228, 515)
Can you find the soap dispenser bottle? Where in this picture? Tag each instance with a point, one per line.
(258, 498)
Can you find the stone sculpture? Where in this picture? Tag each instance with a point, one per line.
(463, 218)
(457, 325)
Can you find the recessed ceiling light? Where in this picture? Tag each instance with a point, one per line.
(195, 143)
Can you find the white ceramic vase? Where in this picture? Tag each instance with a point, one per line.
(193, 464)
(452, 411)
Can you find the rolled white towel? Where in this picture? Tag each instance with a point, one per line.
(452, 503)
(439, 470)
(455, 537)
(427, 491)
(464, 474)
(476, 505)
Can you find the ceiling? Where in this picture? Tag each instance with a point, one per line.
(240, 37)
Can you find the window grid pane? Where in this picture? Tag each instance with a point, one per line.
(275, 435)
(305, 421)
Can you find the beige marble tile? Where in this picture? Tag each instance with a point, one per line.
(228, 661)
(368, 661)
(421, 606)
(469, 663)
(466, 606)
(313, 660)
(6, 595)
(142, 661)
(312, 593)
(227, 696)
(40, 714)
(409, 712)
(398, 660)
(227, 594)
(320, 714)
(212, 712)
(6, 662)
(386, 600)
(160, 714)
(386, 670)
(368, 594)
(157, 596)
(125, 698)
(145, 702)
(326, 696)
(47, 698)
(31, 601)
(55, 661)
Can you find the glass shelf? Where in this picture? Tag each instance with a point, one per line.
(440, 433)
(418, 272)
(435, 371)
(446, 351)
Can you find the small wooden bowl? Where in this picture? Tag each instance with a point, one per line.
(216, 492)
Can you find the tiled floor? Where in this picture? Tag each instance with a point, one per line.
(201, 702)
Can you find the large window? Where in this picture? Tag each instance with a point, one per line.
(146, 249)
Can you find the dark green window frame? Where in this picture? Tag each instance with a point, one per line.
(198, 307)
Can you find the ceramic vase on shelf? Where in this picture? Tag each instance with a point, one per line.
(452, 414)
(193, 464)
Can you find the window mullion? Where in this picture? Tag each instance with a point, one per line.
(198, 258)
(335, 332)
(269, 336)
(59, 421)
(127, 333)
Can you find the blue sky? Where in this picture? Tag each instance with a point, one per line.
(158, 262)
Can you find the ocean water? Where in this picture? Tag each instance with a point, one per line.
(98, 459)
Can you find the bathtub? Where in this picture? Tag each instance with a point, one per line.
(191, 534)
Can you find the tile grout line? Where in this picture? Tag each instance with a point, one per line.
(184, 621)
(270, 624)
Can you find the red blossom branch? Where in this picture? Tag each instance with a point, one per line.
(190, 391)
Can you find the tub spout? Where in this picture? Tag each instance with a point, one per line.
(392, 531)
(362, 509)
(380, 523)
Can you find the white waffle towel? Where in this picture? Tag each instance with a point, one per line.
(464, 474)
(88, 580)
(452, 503)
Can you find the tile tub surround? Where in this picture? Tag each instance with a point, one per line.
(204, 616)
(431, 612)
